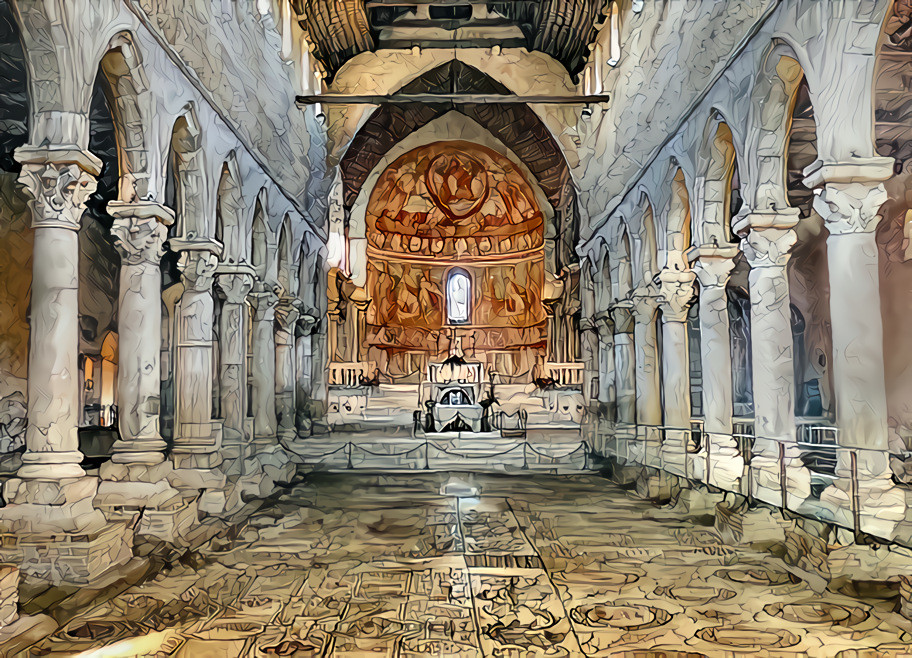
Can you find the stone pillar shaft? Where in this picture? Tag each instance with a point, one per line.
(304, 357)
(648, 386)
(59, 182)
(775, 452)
(236, 285)
(140, 230)
(849, 203)
(264, 364)
(198, 439)
(624, 365)
(287, 316)
(713, 266)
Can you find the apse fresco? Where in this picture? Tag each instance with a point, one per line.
(455, 206)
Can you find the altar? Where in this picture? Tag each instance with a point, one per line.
(455, 396)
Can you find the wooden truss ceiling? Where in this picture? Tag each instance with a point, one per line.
(341, 29)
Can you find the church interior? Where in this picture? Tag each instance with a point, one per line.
(455, 328)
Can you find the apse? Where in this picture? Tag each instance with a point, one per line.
(455, 263)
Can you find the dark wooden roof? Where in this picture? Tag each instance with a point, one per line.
(341, 29)
(514, 124)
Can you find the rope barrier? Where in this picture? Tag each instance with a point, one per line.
(485, 456)
(351, 447)
(581, 446)
(388, 454)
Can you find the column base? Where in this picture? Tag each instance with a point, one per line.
(881, 504)
(133, 487)
(673, 452)
(271, 467)
(149, 451)
(651, 439)
(52, 530)
(726, 464)
(171, 524)
(766, 480)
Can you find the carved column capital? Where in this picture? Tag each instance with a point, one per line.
(236, 285)
(645, 303)
(605, 327)
(307, 322)
(851, 193)
(622, 315)
(676, 293)
(769, 246)
(198, 269)
(287, 312)
(264, 301)
(58, 183)
(140, 230)
(713, 265)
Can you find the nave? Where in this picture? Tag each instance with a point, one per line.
(465, 565)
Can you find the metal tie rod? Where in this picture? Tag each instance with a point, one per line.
(399, 99)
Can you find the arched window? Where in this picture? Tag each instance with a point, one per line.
(458, 297)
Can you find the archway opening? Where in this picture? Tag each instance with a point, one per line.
(808, 270)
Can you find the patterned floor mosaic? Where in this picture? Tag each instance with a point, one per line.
(359, 565)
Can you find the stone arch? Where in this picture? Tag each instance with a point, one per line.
(284, 255)
(229, 211)
(645, 256)
(722, 183)
(307, 262)
(772, 100)
(588, 267)
(603, 281)
(185, 182)
(623, 278)
(127, 94)
(260, 237)
(678, 224)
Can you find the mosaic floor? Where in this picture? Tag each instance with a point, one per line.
(359, 565)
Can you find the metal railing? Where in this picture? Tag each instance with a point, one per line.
(818, 440)
(788, 462)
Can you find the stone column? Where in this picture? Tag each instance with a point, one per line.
(648, 385)
(51, 499)
(236, 283)
(607, 389)
(286, 317)
(713, 265)
(136, 476)
(589, 355)
(676, 294)
(264, 303)
(624, 363)
(58, 182)
(304, 354)
(198, 439)
(766, 248)
(849, 202)
(605, 332)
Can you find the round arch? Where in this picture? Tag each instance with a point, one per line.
(228, 212)
(127, 92)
